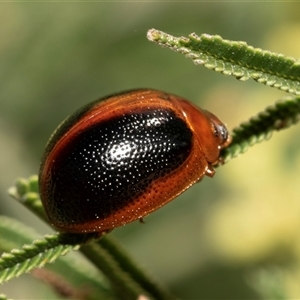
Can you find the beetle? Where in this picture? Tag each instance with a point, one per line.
(120, 158)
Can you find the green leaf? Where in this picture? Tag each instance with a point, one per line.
(30, 256)
(235, 58)
(76, 272)
(26, 192)
(282, 115)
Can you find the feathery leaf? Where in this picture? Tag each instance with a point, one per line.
(235, 58)
(275, 118)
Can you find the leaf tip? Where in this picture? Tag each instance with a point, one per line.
(153, 35)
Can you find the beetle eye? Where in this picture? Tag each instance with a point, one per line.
(221, 132)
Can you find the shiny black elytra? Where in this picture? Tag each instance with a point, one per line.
(124, 156)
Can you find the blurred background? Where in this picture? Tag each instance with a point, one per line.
(235, 236)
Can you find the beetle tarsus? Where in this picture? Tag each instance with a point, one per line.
(210, 171)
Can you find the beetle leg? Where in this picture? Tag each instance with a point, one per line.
(210, 171)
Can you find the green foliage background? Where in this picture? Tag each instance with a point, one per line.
(236, 236)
